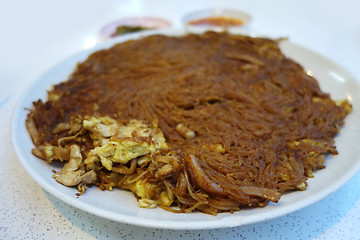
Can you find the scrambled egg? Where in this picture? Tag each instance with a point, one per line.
(115, 143)
(122, 151)
(145, 192)
(101, 129)
(120, 144)
(215, 148)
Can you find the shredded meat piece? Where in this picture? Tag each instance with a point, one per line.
(72, 174)
(242, 122)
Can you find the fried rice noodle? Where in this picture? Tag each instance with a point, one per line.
(211, 122)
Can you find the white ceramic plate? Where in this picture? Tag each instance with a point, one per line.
(121, 206)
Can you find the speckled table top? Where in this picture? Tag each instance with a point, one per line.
(36, 35)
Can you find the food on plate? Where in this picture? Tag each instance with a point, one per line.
(217, 21)
(132, 24)
(121, 30)
(212, 122)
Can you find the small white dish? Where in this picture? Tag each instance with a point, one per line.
(109, 30)
(218, 20)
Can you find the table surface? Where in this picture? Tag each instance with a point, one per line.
(37, 34)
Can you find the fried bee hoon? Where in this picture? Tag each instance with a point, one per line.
(211, 123)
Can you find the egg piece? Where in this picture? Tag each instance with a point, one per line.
(101, 128)
(126, 142)
(122, 151)
(141, 129)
